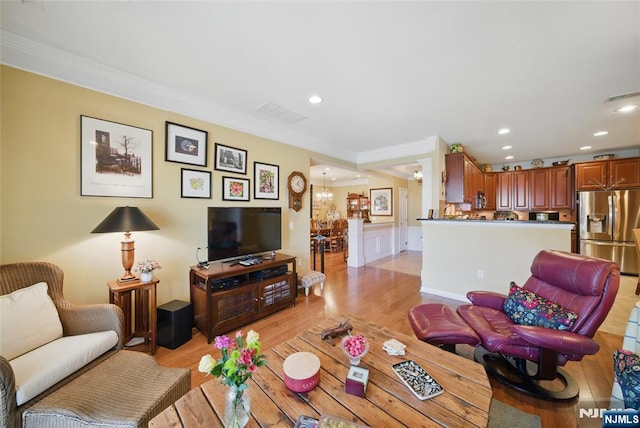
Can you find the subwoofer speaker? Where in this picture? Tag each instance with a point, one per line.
(175, 320)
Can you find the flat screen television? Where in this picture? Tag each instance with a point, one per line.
(236, 232)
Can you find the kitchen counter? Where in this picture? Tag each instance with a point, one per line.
(479, 220)
(460, 255)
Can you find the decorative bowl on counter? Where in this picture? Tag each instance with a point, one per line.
(537, 163)
(560, 163)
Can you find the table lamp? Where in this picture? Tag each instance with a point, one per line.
(126, 219)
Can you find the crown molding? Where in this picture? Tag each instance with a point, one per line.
(29, 55)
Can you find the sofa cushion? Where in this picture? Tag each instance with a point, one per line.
(527, 308)
(28, 319)
(40, 369)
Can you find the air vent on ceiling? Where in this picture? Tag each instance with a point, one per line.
(623, 96)
(278, 112)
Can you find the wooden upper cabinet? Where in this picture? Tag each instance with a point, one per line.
(561, 186)
(490, 180)
(464, 179)
(624, 173)
(591, 175)
(608, 174)
(521, 190)
(539, 188)
(504, 191)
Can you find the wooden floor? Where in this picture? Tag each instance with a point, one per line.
(384, 295)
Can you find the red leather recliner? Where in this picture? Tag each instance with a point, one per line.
(584, 285)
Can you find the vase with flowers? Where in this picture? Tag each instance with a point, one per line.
(146, 268)
(355, 347)
(241, 358)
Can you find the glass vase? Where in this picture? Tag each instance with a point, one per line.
(236, 407)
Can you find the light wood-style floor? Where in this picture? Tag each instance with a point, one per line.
(383, 293)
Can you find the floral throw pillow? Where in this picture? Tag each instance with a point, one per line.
(626, 365)
(527, 308)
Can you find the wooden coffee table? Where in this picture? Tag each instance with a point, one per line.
(387, 403)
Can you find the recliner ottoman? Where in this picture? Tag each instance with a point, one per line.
(126, 390)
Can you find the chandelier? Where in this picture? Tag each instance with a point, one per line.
(417, 175)
(324, 196)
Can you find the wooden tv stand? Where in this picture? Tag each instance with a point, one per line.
(229, 295)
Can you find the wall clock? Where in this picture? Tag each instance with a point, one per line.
(297, 184)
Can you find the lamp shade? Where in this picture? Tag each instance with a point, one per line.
(125, 219)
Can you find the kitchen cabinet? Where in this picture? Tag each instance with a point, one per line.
(513, 190)
(490, 184)
(464, 179)
(539, 188)
(561, 188)
(550, 188)
(608, 174)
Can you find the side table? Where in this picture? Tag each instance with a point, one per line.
(139, 321)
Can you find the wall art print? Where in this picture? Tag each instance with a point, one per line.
(381, 201)
(235, 189)
(231, 159)
(115, 159)
(185, 144)
(266, 181)
(195, 184)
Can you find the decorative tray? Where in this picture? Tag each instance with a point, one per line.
(417, 379)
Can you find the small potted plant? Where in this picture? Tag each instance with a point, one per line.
(146, 268)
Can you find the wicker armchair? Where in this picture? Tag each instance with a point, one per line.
(75, 319)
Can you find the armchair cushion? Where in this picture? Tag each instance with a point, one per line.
(627, 371)
(527, 308)
(28, 319)
(42, 368)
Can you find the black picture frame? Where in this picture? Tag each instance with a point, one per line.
(195, 183)
(230, 159)
(116, 160)
(236, 189)
(184, 144)
(266, 181)
(381, 201)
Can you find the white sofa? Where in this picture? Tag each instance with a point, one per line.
(45, 341)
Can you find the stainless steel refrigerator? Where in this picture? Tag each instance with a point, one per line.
(606, 219)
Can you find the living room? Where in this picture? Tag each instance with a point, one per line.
(45, 216)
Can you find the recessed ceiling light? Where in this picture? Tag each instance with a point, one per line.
(506, 147)
(600, 133)
(504, 131)
(585, 148)
(358, 176)
(315, 99)
(508, 157)
(627, 108)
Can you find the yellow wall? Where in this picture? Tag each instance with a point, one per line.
(43, 216)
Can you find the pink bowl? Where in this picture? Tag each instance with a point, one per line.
(301, 371)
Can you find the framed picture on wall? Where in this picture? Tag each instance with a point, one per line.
(266, 181)
(381, 201)
(195, 184)
(230, 159)
(235, 189)
(185, 145)
(115, 159)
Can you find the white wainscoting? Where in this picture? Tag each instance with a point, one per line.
(378, 241)
(414, 238)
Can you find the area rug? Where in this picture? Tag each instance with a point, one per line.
(502, 415)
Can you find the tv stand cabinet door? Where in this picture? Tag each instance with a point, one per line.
(275, 294)
(233, 308)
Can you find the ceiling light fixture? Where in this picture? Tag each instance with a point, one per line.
(417, 175)
(585, 148)
(628, 108)
(324, 196)
(600, 133)
(315, 99)
(506, 147)
(504, 131)
(508, 157)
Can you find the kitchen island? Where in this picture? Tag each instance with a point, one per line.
(461, 255)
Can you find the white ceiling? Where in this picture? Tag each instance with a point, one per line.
(392, 74)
